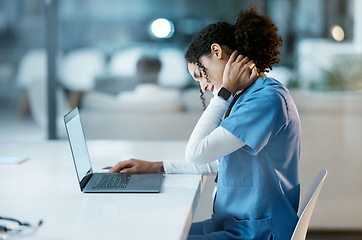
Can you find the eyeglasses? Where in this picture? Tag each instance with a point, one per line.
(15, 227)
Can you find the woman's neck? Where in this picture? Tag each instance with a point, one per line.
(261, 75)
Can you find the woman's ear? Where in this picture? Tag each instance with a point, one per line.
(216, 50)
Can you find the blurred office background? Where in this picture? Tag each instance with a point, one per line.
(127, 74)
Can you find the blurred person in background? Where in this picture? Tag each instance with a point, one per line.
(148, 95)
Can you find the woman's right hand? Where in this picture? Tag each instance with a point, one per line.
(239, 73)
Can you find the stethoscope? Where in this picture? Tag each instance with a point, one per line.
(18, 228)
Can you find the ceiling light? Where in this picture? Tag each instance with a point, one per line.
(162, 28)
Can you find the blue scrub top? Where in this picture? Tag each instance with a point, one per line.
(258, 185)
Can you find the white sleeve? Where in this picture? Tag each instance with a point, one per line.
(208, 141)
(186, 167)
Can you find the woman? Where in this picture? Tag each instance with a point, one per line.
(258, 141)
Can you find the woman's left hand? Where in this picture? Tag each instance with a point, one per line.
(239, 73)
(137, 166)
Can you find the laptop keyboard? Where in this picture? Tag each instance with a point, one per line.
(112, 181)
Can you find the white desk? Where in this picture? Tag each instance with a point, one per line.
(45, 187)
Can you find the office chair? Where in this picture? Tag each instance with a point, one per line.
(32, 67)
(79, 70)
(306, 205)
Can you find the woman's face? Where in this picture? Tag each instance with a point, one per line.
(210, 75)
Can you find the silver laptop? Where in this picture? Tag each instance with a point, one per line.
(103, 182)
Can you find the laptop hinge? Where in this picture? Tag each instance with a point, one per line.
(85, 180)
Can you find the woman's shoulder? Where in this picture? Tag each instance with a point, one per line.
(266, 91)
(265, 86)
(267, 83)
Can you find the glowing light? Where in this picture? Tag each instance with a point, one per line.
(162, 28)
(337, 33)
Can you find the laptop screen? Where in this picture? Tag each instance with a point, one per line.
(78, 145)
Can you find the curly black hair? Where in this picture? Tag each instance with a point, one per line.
(253, 35)
(220, 32)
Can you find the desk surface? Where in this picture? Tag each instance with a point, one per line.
(45, 187)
